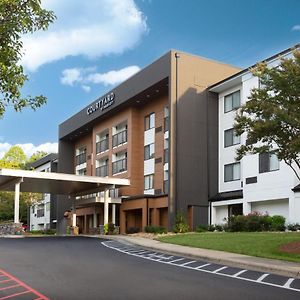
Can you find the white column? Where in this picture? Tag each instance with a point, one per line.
(17, 202)
(95, 217)
(74, 220)
(105, 206)
(114, 213)
(246, 208)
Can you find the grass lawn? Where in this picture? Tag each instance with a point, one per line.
(261, 244)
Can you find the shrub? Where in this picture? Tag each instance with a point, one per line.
(105, 228)
(211, 228)
(181, 225)
(293, 227)
(201, 228)
(131, 230)
(155, 229)
(255, 221)
(277, 223)
(219, 227)
(45, 231)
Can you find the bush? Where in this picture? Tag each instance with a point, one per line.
(155, 229)
(45, 231)
(255, 221)
(211, 228)
(219, 227)
(131, 230)
(293, 227)
(181, 225)
(201, 228)
(278, 223)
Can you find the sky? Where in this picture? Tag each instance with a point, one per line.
(94, 45)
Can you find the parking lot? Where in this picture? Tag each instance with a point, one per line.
(90, 268)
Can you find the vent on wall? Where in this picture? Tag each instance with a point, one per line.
(250, 180)
(158, 129)
(158, 160)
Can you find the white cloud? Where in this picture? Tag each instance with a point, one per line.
(91, 28)
(86, 88)
(70, 76)
(86, 76)
(296, 28)
(29, 148)
(112, 77)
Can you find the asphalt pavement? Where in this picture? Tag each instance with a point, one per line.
(84, 268)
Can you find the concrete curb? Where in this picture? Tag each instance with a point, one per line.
(265, 265)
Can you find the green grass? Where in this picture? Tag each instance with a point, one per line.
(260, 244)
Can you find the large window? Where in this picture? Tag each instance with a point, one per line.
(149, 151)
(232, 172)
(230, 138)
(149, 121)
(232, 101)
(268, 162)
(149, 182)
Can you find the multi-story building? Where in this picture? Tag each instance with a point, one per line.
(42, 213)
(260, 182)
(159, 129)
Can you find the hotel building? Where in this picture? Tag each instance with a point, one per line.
(159, 129)
(258, 183)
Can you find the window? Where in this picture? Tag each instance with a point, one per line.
(148, 182)
(232, 101)
(81, 172)
(149, 151)
(232, 172)
(166, 119)
(149, 121)
(80, 156)
(268, 162)
(230, 138)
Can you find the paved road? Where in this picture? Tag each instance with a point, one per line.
(85, 268)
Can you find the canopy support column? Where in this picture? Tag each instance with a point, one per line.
(17, 203)
(106, 208)
(114, 214)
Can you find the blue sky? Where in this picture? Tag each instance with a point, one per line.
(96, 44)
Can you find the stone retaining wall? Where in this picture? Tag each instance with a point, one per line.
(11, 228)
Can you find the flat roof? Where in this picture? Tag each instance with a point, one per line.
(56, 183)
(236, 78)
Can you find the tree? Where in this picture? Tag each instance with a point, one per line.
(271, 116)
(36, 156)
(18, 17)
(15, 156)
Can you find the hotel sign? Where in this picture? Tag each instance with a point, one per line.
(102, 104)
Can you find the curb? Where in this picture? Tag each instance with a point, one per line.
(278, 267)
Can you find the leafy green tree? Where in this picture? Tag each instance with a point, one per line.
(18, 17)
(36, 156)
(271, 117)
(15, 156)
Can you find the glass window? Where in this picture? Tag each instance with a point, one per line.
(232, 172)
(230, 138)
(150, 121)
(149, 182)
(268, 162)
(232, 101)
(149, 151)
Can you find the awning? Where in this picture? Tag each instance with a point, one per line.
(57, 183)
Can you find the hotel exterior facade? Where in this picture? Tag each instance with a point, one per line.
(258, 183)
(169, 130)
(159, 129)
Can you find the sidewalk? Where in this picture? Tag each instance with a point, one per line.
(266, 265)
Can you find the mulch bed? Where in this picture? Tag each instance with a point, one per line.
(293, 247)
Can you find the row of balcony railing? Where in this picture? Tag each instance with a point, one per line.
(119, 138)
(117, 167)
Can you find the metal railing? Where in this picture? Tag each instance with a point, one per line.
(120, 138)
(102, 171)
(102, 146)
(166, 186)
(80, 158)
(166, 124)
(166, 156)
(119, 166)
